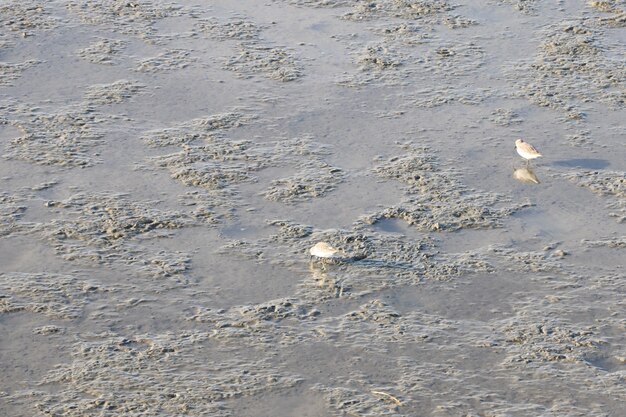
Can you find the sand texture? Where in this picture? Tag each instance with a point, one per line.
(166, 166)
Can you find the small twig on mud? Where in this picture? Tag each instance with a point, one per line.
(391, 397)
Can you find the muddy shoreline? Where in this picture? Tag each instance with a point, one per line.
(166, 166)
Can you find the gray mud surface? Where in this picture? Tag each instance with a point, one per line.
(166, 166)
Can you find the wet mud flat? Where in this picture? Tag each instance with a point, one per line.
(166, 166)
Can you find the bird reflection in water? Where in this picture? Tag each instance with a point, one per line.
(526, 175)
(327, 283)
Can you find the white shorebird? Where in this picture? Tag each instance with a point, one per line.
(324, 250)
(526, 150)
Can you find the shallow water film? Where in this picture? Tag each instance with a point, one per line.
(167, 167)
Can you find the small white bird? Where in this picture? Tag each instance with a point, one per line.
(323, 250)
(526, 150)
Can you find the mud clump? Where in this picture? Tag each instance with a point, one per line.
(10, 213)
(48, 330)
(378, 58)
(454, 59)
(127, 17)
(16, 16)
(356, 402)
(89, 390)
(222, 163)
(105, 51)
(172, 59)
(379, 63)
(436, 97)
(197, 129)
(313, 181)
(468, 213)
(275, 63)
(404, 33)
(524, 261)
(611, 6)
(524, 6)
(320, 3)
(458, 22)
(548, 342)
(101, 228)
(219, 164)
(211, 207)
(610, 184)
(618, 242)
(408, 49)
(438, 200)
(241, 30)
(113, 93)
(11, 72)
(64, 138)
(53, 295)
(505, 117)
(254, 322)
(572, 67)
(404, 9)
(605, 183)
(378, 321)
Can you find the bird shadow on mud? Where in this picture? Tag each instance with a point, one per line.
(588, 163)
